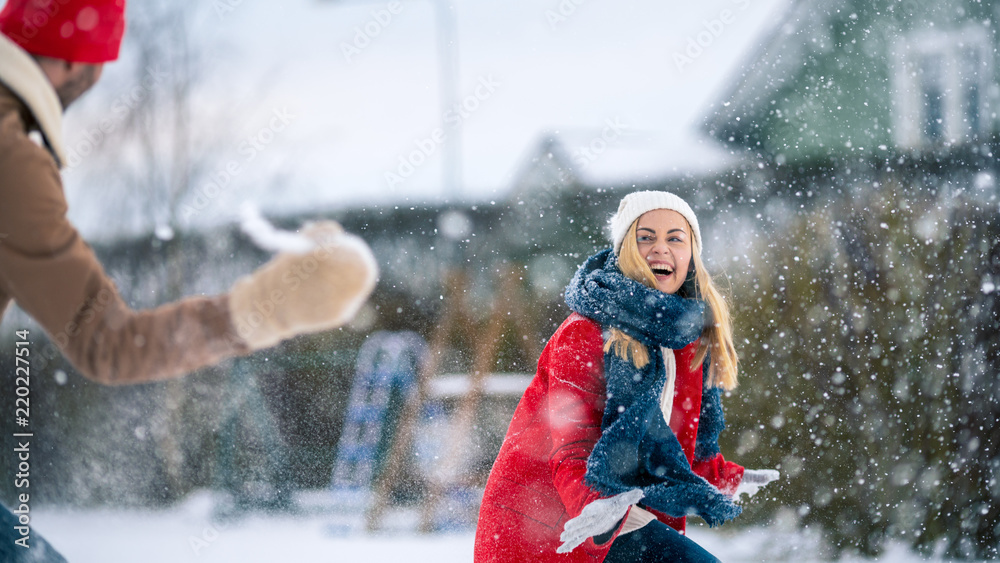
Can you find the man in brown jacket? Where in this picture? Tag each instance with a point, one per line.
(50, 54)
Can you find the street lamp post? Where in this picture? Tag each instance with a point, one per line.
(448, 53)
(444, 12)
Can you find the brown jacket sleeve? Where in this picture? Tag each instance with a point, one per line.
(47, 268)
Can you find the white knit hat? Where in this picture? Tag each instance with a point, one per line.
(635, 204)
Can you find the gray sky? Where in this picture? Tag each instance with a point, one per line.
(640, 73)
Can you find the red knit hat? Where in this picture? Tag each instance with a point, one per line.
(83, 31)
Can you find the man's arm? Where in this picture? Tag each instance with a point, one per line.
(47, 268)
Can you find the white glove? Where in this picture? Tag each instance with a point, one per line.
(753, 480)
(597, 518)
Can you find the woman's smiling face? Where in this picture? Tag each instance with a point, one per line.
(663, 237)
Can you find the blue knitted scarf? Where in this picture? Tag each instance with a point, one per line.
(637, 448)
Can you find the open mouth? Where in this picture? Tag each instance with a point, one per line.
(662, 270)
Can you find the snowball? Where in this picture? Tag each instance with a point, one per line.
(267, 237)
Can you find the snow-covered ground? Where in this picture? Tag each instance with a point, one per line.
(187, 532)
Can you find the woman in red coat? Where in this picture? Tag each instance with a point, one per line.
(615, 441)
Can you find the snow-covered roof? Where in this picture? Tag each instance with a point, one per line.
(772, 66)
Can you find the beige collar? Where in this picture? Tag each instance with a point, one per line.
(22, 75)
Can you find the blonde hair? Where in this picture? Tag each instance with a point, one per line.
(717, 336)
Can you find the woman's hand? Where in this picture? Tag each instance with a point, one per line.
(753, 480)
(597, 518)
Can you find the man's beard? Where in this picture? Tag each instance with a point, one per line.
(75, 87)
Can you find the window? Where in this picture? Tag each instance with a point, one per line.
(932, 89)
(940, 82)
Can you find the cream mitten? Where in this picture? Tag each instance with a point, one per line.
(302, 292)
(597, 518)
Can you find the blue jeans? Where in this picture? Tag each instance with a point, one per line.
(38, 550)
(657, 543)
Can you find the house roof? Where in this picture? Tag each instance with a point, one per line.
(585, 158)
(803, 31)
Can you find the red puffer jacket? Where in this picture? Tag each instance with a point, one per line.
(537, 484)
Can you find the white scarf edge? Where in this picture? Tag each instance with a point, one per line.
(20, 73)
